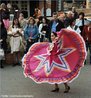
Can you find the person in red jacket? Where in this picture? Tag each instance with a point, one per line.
(87, 37)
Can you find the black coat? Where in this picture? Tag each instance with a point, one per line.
(67, 21)
(59, 26)
(45, 28)
(4, 14)
(3, 36)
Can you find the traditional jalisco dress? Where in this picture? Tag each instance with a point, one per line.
(59, 62)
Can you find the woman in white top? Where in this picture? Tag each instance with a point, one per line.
(81, 21)
(43, 30)
(73, 27)
(15, 33)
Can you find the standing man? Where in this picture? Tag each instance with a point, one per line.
(75, 13)
(55, 25)
(68, 18)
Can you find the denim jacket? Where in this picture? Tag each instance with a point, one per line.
(31, 31)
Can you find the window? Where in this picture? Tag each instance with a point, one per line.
(23, 5)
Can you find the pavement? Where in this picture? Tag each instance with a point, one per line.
(13, 84)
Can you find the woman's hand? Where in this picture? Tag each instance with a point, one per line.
(1, 40)
(18, 32)
(30, 39)
(44, 32)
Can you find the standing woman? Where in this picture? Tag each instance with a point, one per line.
(81, 21)
(3, 38)
(31, 33)
(15, 33)
(73, 27)
(43, 29)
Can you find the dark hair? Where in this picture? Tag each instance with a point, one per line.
(55, 13)
(40, 18)
(47, 21)
(17, 24)
(55, 34)
(71, 21)
(82, 13)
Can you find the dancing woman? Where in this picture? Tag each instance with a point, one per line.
(67, 88)
(57, 62)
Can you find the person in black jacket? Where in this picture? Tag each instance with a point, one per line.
(4, 11)
(5, 15)
(68, 18)
(3, 37)
(43, 30)
(55, 25)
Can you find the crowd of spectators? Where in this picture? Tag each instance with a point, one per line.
(19, 33)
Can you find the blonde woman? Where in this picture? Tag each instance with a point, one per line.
(31, 33)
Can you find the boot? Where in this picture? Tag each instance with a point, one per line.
(67, 89)
(55, 90)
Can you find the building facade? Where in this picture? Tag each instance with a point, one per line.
(88, 4)
(47, 7)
